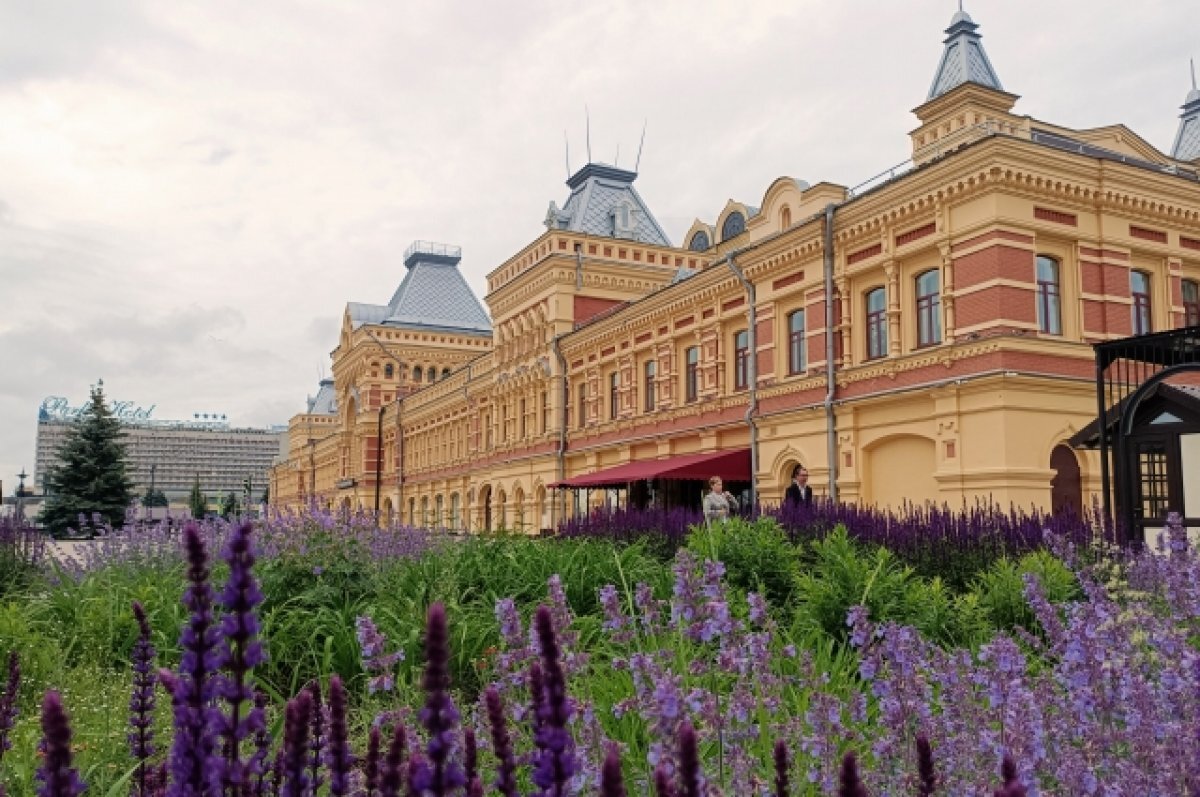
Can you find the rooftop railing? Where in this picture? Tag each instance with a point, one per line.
(432, 248)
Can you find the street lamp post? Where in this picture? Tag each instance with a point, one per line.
(21, 493)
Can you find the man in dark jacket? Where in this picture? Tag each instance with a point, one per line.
(798, 492)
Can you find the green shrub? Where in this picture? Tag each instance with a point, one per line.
(757, 555)
(1001, 588)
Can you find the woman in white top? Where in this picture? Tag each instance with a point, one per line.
(718, 504)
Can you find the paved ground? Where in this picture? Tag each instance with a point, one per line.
(61, 549)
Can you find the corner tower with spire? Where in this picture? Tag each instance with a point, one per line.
(965, 97)
(1187, 139)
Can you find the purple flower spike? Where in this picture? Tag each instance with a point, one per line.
(1012, 786)
(192, 750)
(257, 770)
(316, 736)
(294, 776)
(781, 769)
(240, 652)
(851, 785)
(689, 762)
(506, 767)
(662, 783)
(371, 766)
(8, 701)
(926, 777)
(441, 775)
(471, 764)
(56, 775)
(556, 757)
(141, 703)
(393, 764)
(337, 754)
(612, 783)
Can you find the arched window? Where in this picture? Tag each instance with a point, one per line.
(425, 512)
(412, 511)
(438, 518)
(389, 371)
(929, 309)
(741, 360)
(648, 380)
(455, 510)
(1191, 303)
(416, 373)
(431, 374)
(1139, 288)
(785, 217)
(735, 224)
(797, 361)
(699, 241)
(445, 373)
(877, 342)
(1049, 296)
(691, 374)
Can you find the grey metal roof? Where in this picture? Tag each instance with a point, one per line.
(325, 402)
(603, 202)
(432, 295)
(963, 59)
(1187, 140)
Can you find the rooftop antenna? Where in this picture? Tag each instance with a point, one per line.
(617, 159)
(640, 144)
(567, 144)
(588, 117)
(1192, 61)
(960, 8)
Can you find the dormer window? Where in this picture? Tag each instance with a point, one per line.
(699, 241)
(735, 225)
(623, 222)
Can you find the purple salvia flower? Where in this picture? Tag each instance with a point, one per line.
(392, 776)
(337, 754)
(417, 772)
(294, 781)
(8, 701)
(506, 767)
(376, 661)
(316, 736)
(556, 763)
(371, 765)
(240, 652)
(471, 764)
(1011, 786)
(441, 775)
(612, 783)
(537, 696)
(258, 766)
(662, 782)
(690, 780)
(192, 749)
(141, 702)
(781, 769)
(926, 776)
(56, 776)
(850, 785)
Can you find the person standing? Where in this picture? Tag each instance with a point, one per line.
(799, 493)
(718, 504)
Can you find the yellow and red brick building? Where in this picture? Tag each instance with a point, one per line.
(923, 337)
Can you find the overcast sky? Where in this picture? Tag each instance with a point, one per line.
(190, 192)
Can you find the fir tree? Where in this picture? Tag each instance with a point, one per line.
(91, 475)
(230, 506)
(197, 501)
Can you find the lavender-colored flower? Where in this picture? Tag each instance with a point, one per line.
(556, 763)
(612, 782)
(56, 776)
(442, 774)
(141, 702)
(662, 782)
(337, 755)
(926, 776)
(850, 784)
(1011, 785)
(294, 780)
(506, 767)
(257, 768)
(371, 764)
(781, 769)
(376, 661)
(239, 653)
(194, 743)
(316, 736)
(392, 775)
(471, 764)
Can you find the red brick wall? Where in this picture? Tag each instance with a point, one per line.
(994, 262)
(587, 307)
(999, 303)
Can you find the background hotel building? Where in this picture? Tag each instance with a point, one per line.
(924, 337)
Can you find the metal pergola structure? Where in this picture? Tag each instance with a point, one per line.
(1127, 371)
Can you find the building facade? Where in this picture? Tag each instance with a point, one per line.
(171, 455)
(923, 337)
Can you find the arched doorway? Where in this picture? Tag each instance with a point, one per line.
(1066, 490)
(485, 506)
(387, 511)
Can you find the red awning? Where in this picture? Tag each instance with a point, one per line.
(733, 466)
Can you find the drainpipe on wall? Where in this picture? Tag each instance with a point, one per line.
(751, 371)
(578, 266)
(830, 382)
(562, 426)
(379, 458)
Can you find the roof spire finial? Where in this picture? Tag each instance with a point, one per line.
(1192, 61)
(960, 8)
